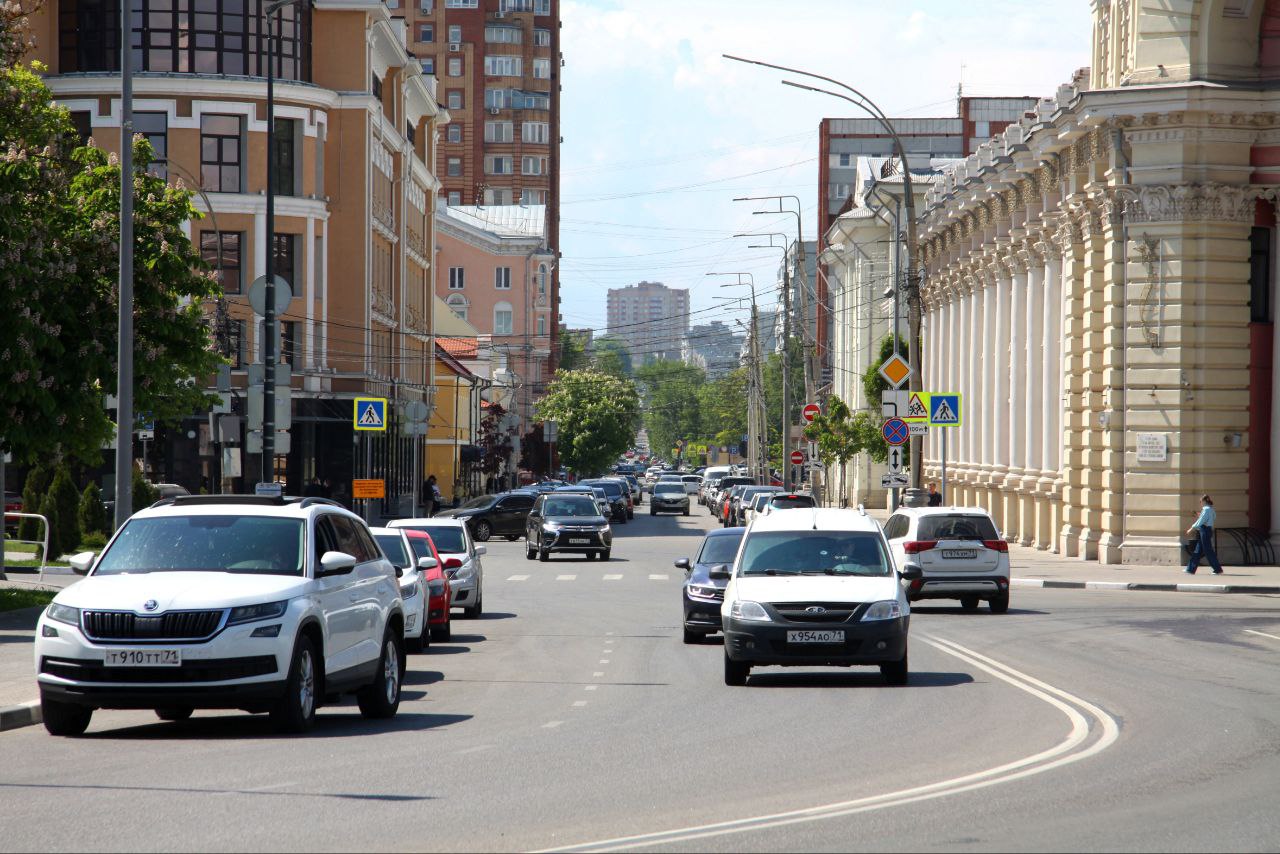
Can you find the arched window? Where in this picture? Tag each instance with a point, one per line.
(503, 319)
(542, 278)
(458, 303)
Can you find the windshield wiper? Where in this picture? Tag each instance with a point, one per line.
(773, 572)
(818, 572)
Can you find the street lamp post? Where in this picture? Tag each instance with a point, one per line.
(124, 357)
(916, 495)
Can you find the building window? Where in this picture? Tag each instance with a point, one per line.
(542, 69)
(429, 65)
(284, 148)
(454, 167)
(502, 278)
(289, 343)
(497, 196)
(461, 4)
(223, 257)
(502, 319)
(454, 199)
(533, 197)
(426, 32)
(83, 125)
(542, 278)
(455, 66)
(496, 99)
(498, 131)
(535, 131)
(497, 165)
(457, 278)
(454, 133)
(375, 86)
(541, 37)
(411, 133)
(502, 66)
(154, 127)
(455, 34)
(239, 343)
(840, 191)
(542, 7)
(454, 99)
(503, 35)
(523, 100)
(1260, 275)
(846, 159)
(458, 303)
(530, 165)
(542, 324)
(285, 259)
(220, 153)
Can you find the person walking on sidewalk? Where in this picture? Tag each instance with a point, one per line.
(1202, 530)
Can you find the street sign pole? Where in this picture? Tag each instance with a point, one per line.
(943, 492)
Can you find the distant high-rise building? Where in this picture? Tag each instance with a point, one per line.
(714, 347)
(651, 318)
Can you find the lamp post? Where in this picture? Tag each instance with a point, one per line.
(757, 407)
(915, 496)
(124, 357)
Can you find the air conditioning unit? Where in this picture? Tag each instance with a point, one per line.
(499, 14)
(454, 47)
(493, 111)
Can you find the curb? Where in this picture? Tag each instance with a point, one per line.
(23, 714)
(1140, 586)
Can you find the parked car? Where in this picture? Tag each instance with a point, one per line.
(565, 522)
(413, 585)
(625, 487)
(815, 588)
(692, 483)
(637, 494)
(740, 504)
(960, 554)
(787, 501)
(711, 479)
(705, 580)
(500, 515)
(461, 560)
(12, 504)
(596, 493)
(439, 590)
(225, 601)
(728, 510)
(669, 497)
(619, 499)
(725, 484)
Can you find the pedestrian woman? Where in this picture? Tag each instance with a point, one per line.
(1202, 530)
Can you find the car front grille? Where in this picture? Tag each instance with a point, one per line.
(124, 625)
(192, 670)
(832, 612)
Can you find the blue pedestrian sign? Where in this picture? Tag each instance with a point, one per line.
(945, 410)
(370, 414)
(896, 431)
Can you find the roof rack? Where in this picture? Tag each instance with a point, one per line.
(259, 500)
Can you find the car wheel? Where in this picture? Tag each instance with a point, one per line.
(693, 637)
(381, 697)
(474, 612)
(735, 672)
(895, 672)
(544, 555)
(511, 538)
(64, 718)
(686, 511)
(653, 512)
(1000, 604)
(482, 532)
(296, 710)
(442, 633)
(604, 555)
(174, 713)
(415, 645)
(969, 603)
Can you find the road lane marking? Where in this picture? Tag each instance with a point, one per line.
(1263, 634)
(518, 578)
(578, 704)
(659, 577)
(565, 577)
(590, 687)
(613, 577)
(552, 724)
(604, 661)
(1071, 749)
(476, 749)
(598, 673)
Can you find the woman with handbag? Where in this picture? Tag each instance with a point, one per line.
(1202, 545)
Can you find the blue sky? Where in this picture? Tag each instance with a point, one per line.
(661, 133)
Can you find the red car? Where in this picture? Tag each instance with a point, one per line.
(439, 594)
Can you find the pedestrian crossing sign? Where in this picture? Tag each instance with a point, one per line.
(917, 407)
(945, 410)
(370, 414)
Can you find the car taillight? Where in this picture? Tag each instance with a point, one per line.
(917, 546)
(996, 545)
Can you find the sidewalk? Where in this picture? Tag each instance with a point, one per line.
(18, 705)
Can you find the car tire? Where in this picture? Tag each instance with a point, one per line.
(416, 645)
(604, 555)
(174, 713)
(686, 511)
(442, 633)
(544, 555)
(895, 672)
(1000, 604)
(694, 637)
(296, 711)
(511, 538)
(64, 718)
(969, 603)
(474, 612)
(380, 699)
(482, 531)
(735, 672)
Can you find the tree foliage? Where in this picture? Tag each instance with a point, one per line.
(874, 385)
(494, 440)
(92, 515)
(598, 415)
(573, 350)
(612, 357)
(33, 490)
(64, 524)
(670, 390)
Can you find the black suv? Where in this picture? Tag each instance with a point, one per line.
(494, 515)
(619, 497)
(567, 522)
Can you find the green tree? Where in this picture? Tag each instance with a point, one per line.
(37, 484)
(612, 357)
(598, 416)
(92, 515)
(573, 350)
(874, 385)
(65, 526)
(669, 390)
(49, 510)
(144, 494)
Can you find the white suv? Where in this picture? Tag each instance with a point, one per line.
(225, 602)
(814, 587)
(959, 552)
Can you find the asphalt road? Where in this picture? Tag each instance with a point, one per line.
(572, 714)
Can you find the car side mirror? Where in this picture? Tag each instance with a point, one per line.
(911, 572)
(683, 563)
(482, 550)
(82, 563)
(720, 571)
(399, 572)
(335, 563)
(428, 563)
(452, 563)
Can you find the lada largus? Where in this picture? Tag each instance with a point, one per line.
(815, 587)
(225, 602)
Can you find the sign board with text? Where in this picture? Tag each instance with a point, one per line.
(369, 488)
(1153, 447)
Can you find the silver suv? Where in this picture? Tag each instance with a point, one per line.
(960, 554)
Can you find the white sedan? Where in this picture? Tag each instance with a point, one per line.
(460, 557)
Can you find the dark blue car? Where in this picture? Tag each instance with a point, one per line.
(704, 586)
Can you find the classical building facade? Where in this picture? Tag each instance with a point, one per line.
(1099, 283)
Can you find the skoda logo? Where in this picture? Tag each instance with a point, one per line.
(815, 609)
(149, 605)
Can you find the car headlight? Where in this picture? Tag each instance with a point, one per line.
(745, 610)
(252, 613)
(435, 587)
(408, 591)
(550, 526)
(462, 573)
(63, 613)
(889, 609)
(708, 594)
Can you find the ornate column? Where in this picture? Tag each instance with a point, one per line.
(1001, 358)
(1033, 354)
(972, 378)
(1070, 240)
(986, 382)
(1050, 484)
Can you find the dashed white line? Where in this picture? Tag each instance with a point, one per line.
(518, 578)
(1262, 634)
(613, 577)
(659, 577)
(604, 661)
(590, 687)
(597, 673)
(565, 577)
(552, 724)
(578, 704)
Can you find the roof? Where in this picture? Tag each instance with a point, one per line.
(460, 348)
(501, 220)
(443, 356)
(816, 519)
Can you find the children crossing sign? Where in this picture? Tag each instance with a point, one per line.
(945, 410)
(917, 407)
(370, 414)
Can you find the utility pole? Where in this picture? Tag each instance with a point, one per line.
(757, 416)
(124, 357)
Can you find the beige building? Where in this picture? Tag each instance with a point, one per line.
(1099, 283)
(651, 318)
(355, 135)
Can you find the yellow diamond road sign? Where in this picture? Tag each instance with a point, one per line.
(895, 370)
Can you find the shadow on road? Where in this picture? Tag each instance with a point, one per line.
(444, 648)
(981, 611)
(422, 677)
(457, 638)
(497, 615)
(331, 722)
(858, 679)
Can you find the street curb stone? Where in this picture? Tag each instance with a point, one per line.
(23, 714)
(1140, 586)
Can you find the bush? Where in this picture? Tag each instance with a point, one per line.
(49, 510)
(32, 494)
(144, 494)
(92, 515)
(94, 541)
(64, 534)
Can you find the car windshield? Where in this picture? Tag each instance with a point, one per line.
(814, 553)
(669, 489)
(956, 527)
(421, 547)
(482, 502)
(393, 548)
(758, 502)
(721, 549)
(691, 478)
(791, 502)
(255, 545)
(611, 488)
(446, 537)
(570, 507)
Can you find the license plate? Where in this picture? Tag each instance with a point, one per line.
(143, 658)
(959, 554)
(579, 541)
(815, 637)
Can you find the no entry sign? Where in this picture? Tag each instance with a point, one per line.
(810, 412)
(797, 458)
